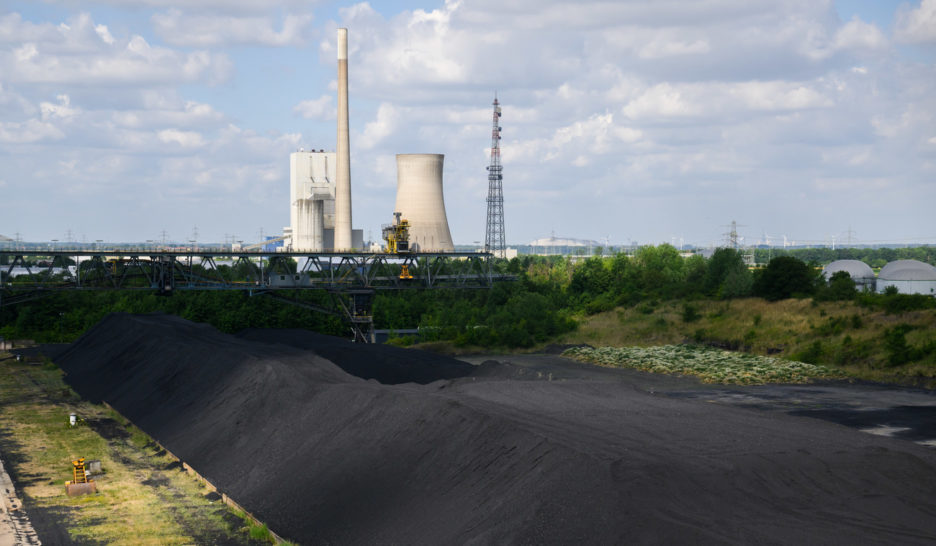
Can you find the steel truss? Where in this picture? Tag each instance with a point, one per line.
(350, 278)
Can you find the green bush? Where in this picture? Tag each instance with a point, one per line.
(902, 303)
(812, 354)
(895, 343)
(690, 313)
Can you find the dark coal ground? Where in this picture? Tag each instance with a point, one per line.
(308, 433)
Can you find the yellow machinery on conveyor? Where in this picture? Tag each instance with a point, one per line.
(397, 237)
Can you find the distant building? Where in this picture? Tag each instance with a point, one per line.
(553, 245)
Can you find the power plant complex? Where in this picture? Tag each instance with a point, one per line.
(320, 191)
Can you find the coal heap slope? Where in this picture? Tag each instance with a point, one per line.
(387, 364)
(323, 456)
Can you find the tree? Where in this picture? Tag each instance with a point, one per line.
(841, 287)
(784, 277)
(696, 273)
(662, 270)
(727, 276)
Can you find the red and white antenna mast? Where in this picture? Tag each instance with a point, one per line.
(494, 234)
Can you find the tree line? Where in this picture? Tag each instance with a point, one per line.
(549, 293)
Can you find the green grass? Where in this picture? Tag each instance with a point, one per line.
(709, 364)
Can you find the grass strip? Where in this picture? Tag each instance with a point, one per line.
(144, 496)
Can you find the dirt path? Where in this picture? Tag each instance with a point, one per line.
(15, 528)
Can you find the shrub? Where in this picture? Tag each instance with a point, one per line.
(811, 354)
(690, 313)
(852, 352)
(604, 302)
(901, 303)
(895, 343)
(646, 308)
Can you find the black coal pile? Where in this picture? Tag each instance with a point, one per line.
(385, 363)
(327, 456)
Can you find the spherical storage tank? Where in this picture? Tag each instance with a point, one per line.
(909, 276)
(859, 272)
(419, 200)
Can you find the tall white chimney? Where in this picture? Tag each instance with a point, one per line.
(343, 168)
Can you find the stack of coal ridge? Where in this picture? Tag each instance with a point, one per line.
(324, 456)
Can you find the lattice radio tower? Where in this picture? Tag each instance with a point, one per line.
(494, 234)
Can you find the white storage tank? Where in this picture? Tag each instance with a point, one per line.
(909, 277)
(859, 272)
(420, 201)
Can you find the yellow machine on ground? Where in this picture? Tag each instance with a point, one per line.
(82, 484)
(397, 237)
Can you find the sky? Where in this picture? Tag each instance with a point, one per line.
(623, 122)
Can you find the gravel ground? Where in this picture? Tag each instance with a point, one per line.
(301, 431)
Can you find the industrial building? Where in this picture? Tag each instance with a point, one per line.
(909, 277)
(312, 198)
(420, 201)
(859, 272)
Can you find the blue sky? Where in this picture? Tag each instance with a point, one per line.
(626, 121)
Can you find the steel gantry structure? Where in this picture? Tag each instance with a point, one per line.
(351, 278)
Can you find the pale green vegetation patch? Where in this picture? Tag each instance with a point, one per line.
(709, 364)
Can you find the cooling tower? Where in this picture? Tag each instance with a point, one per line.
(343, 171)
(419, 200)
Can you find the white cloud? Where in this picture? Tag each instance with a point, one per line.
(190, 114)
(917, 25)
(661, 100)
(579, 141)
(185, 29)
(708, 100)
(81, 52)
(61, 110)
(858, 34)
(28, 132)
(104, 34)
(321, 108)
(660, 49)
(198, 6)
(186, 139)
(388, 117)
